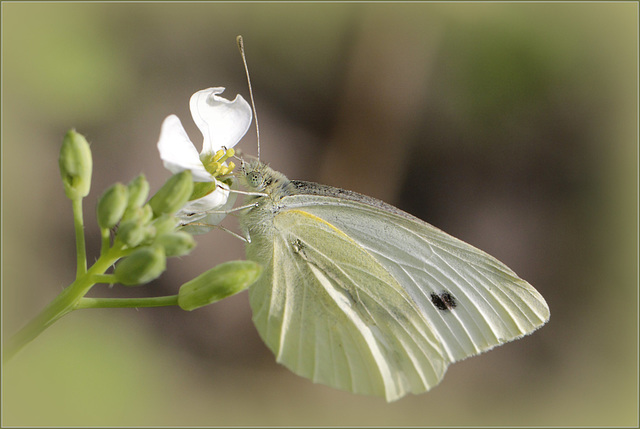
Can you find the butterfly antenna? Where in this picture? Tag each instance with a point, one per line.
(253, 104)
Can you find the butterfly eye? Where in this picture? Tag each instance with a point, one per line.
(255, 179)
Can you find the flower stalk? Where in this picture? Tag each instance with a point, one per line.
(63, 304)
(146, 234)
(78, 225)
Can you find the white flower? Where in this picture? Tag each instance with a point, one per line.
(222, 123)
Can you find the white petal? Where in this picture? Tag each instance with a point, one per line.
(196, 212)
(178, 153)
(212, 201)
(216, 218)
(222, 122)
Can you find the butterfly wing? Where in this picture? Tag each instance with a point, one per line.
(330, 312)
(377, 302)
(492, 304)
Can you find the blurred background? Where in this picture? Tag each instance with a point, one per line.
(510, 126)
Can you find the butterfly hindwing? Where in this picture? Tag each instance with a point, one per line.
(330, 312)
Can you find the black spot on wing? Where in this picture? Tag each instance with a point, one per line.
(444, 302)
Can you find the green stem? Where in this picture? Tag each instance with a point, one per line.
(64, 303)
(78, 224)
(159, 301)
(106, 240)
(105, 278)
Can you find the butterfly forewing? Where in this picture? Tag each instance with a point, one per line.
(493, 305)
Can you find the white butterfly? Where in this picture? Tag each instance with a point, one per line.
(361, 296)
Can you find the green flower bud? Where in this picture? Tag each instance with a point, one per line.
(202, 189)
(138, 191)
(173, 194)
(132, 232)
(165, 224)
(111, 206)
(75, 165)
(177, 243)
(142, 266)
(219, 282)
(144, 214)
(147, 214)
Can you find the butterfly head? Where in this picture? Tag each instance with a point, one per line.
(253, 175)
(258, 177)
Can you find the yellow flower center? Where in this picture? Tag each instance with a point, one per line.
(214, 162)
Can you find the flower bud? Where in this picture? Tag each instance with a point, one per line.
(111, 206)
(146, 214)
(138, 191)
(177, 243)
(202, 189)
(173, 194)
(142, 266)
(219, 282)
(143, 214)
(75, 165)
(165, 224)
(132, 232)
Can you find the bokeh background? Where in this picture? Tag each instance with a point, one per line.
(510, 126)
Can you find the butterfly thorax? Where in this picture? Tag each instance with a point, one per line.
(270, 187)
